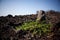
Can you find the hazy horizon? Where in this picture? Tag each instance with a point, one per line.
(24, 7)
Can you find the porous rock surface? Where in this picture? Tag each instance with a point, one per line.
(8, 24)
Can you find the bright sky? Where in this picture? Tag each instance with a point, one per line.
(23, 7)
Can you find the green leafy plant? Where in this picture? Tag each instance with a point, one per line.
(35, 27)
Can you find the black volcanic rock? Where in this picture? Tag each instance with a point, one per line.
(8, 24)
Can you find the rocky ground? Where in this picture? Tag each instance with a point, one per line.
(8, 24)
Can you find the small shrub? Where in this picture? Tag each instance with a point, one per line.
(35, 27)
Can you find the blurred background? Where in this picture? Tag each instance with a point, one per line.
(25, 7)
